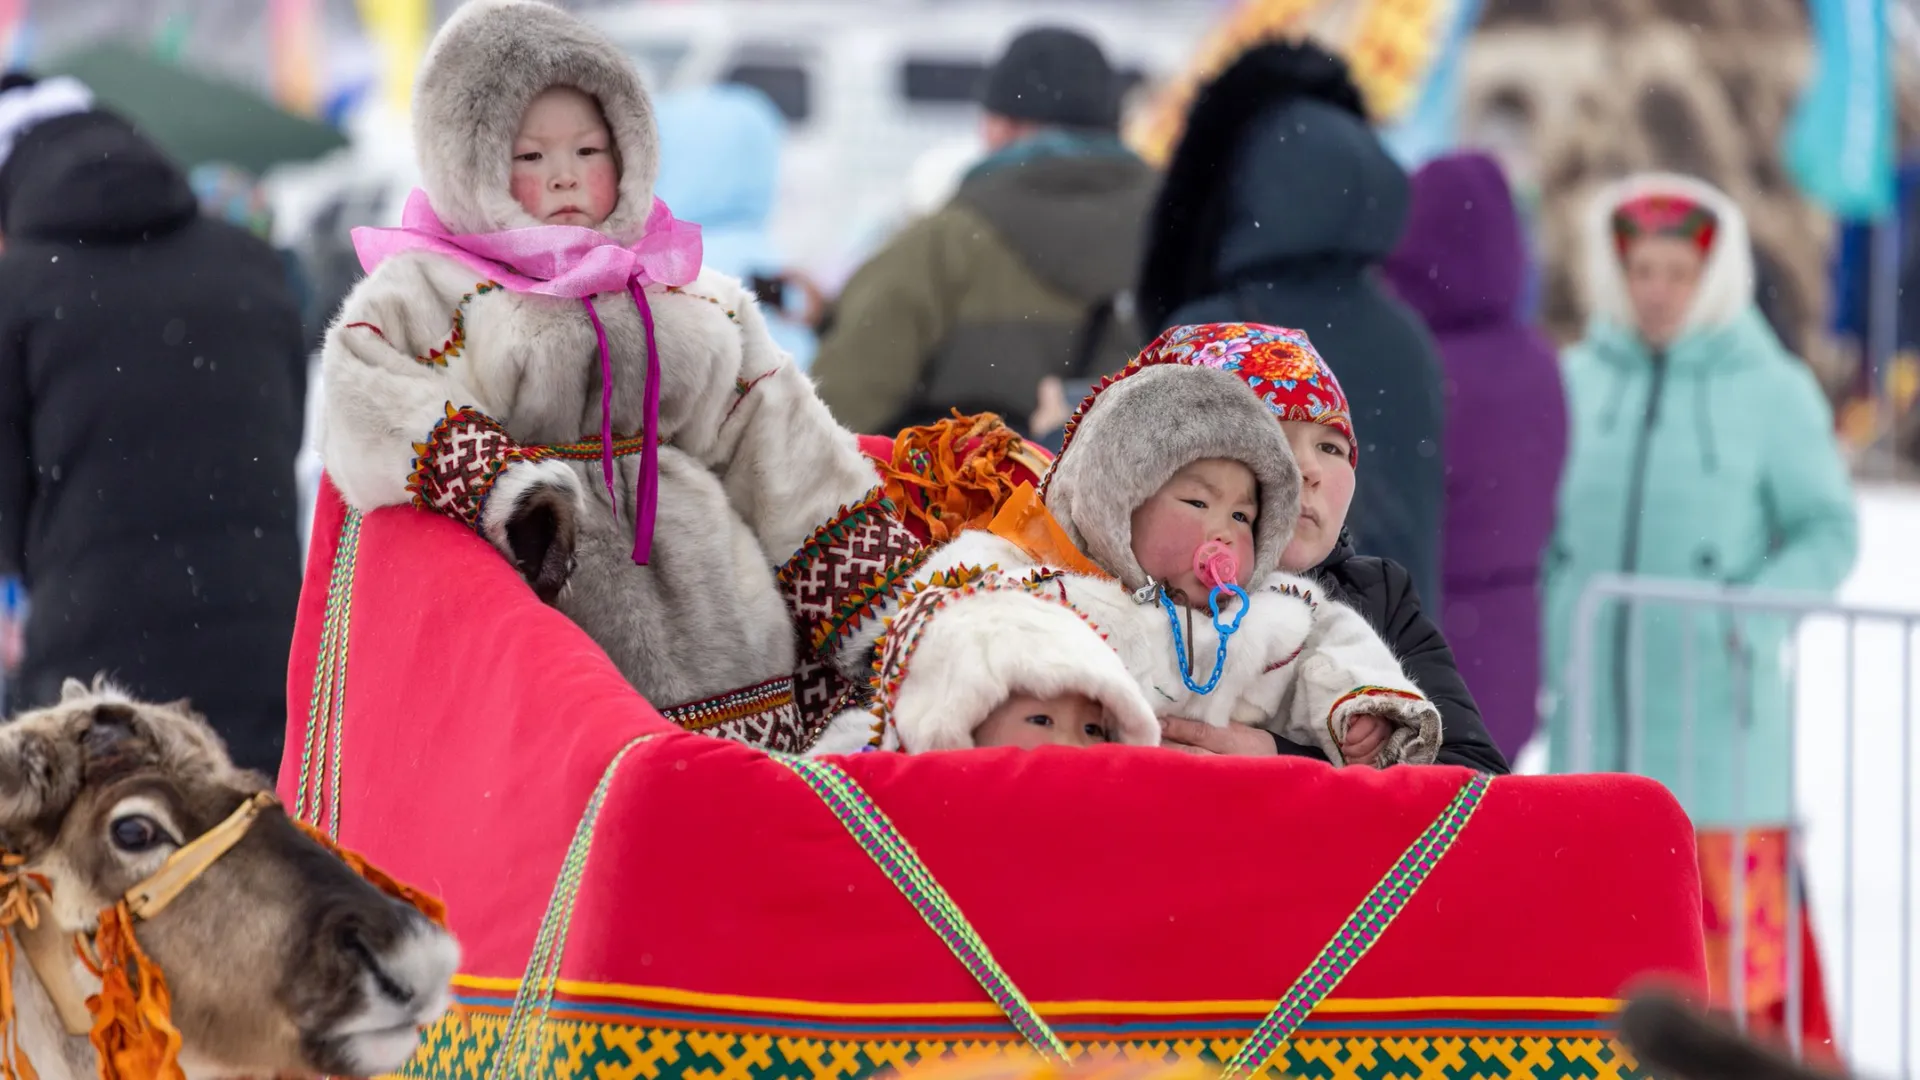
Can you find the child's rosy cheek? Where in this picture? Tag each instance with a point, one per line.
(604, 186)
(526, 192)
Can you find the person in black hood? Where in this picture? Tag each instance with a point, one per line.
(1279, 204)
(152, 385)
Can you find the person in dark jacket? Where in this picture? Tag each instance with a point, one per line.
(151, 391)
(1462, 265)
(1022, 275)
(1381, 590)
(1279, 203)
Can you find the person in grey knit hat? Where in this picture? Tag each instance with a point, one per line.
(1021, 276)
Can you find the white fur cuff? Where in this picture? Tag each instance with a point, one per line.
(512, 486)
(1416, 723)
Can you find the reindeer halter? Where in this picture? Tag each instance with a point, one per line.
(130, 1020)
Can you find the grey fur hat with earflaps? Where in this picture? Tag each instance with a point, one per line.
(1156, 417)
(485, 66)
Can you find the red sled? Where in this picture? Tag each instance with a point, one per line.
(635, 900)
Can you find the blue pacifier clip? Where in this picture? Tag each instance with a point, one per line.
(1226, 630)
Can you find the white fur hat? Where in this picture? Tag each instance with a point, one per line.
(996, 637)
(487, 64)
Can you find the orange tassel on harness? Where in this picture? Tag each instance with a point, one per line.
(133, 1032)
(16, 909)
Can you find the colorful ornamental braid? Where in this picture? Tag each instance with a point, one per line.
(1279, 365)
(1361, 930)
(588, 449)
(763, 715)
(316, 801)
(882, 842)
(896, 858)
(456, 341)
(455, 469)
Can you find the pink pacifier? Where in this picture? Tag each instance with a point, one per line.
(1215, 564)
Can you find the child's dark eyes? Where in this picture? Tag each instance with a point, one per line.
(1333, 448)
(1040, 720)
(589, 151)
(529, 156)
(1243, 517)
(1098, 731)
(1197, 504)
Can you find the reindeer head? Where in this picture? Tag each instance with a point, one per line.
(280, 959)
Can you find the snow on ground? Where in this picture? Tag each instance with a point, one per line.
(1867, 974)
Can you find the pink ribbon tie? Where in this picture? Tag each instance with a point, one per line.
(577, 263)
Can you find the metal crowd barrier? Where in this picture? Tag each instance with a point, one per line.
(1825, 628)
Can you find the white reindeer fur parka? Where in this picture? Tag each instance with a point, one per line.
(440, 391)
(1300, 665)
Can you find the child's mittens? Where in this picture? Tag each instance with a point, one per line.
(1411, 723)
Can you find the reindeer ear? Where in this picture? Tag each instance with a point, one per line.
(114, 734)
(112, 722)
(40, 769)
(73, 688)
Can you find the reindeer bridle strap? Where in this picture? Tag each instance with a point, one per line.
(184, 867)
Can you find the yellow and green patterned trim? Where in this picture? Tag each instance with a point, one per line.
(600, 1030)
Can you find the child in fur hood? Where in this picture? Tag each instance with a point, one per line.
(1174, 495)
(538, 354)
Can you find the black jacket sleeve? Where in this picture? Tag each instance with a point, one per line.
(1383, 591)
(16, 464)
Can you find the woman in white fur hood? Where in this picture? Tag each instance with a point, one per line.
(537, 354)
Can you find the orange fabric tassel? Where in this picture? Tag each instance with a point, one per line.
(951, 476)
(16, 909)
(133, 1032)
(1026, 523)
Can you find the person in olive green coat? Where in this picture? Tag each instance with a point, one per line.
(1702, 450)
(1020, 276)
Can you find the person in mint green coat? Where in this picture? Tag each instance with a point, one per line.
(1702, 450)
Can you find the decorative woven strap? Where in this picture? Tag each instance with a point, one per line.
(518, 1050)
(890, 851)
(589, 449)
(327, 708)
(1360, 931)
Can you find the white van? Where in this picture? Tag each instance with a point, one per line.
(871, 86)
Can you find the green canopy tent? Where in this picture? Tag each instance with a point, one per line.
(193, 117)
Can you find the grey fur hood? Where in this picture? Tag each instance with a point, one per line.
(1150, 421)
(487, 64)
